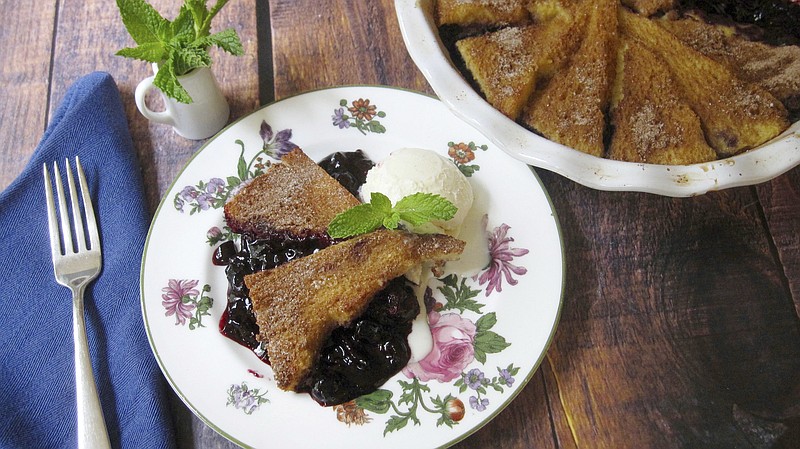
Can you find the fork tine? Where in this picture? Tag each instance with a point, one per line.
(77, 219)
(66, 229)
(91, 221)
(52, 219)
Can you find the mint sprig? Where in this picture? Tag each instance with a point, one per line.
(415, 209)
(178, 46)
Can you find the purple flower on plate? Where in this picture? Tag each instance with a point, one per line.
(204, 201)
(189, 193)
(176, 299)
(506, 377)
(276, 145)
(340, 119)
(214, 233)
(478, 404)
(475, 378)
(215, 185)
(245, 398)
(501, 254)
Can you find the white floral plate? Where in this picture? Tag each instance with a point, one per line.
(758, 165)
(492, 329)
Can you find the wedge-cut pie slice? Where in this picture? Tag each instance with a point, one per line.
(776, 69)
(736, 115)
(298, 304)
(651, 122)
(296, 197)
(492, 13)
(507, 63)
(571, 108)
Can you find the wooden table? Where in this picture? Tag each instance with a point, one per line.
(680, 318)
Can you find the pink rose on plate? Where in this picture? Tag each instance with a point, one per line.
(453, 350)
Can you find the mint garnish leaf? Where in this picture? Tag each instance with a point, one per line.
(414, 209)
(420, 208)
(357, 220)
(141, 20)
(177, 46)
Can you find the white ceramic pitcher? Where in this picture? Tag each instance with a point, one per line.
(205, 116)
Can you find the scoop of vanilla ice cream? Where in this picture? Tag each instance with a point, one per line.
(411, 170)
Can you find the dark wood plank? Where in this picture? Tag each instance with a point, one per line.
(323, 44)
(25, 39)
(677, 329)
(781, 200)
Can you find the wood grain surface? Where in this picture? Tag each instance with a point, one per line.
(679, 327)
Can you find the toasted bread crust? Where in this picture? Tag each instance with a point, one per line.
(294, 197)
(507, 63)
(571, 108)
(743, 92)
(652, 123)
(736, 115)
(298, 304)
(775, 69)
(493, 13)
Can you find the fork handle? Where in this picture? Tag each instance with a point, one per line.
(92, 431)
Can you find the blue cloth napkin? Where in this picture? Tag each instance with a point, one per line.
(37, 396)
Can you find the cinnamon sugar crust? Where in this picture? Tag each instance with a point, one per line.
(507, 63)
(744, 92)
(736, 115)
(480, 12)
(297, 305)
(775, 69)
(571, 108)
(295, 197)
(651, 121)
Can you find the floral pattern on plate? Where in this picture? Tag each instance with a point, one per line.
(361, 116)
(458, 340)
(187, 304)
(463, 154)
(483, 354)
(246, 399)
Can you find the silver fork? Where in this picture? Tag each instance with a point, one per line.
(76, 263)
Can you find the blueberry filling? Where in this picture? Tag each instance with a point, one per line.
(356, 359)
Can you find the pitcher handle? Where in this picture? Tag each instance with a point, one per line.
(141, 92)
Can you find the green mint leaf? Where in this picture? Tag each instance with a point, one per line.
(226, 40)
(391, 221)
(206, 24)
(183, 25)
(381, 202)
(420, 208)
(415, 209)
(179, 45)
(199, 13)
(167, 81)
(357, 220)
(141, 20)
(149, 51)
(190, 58)
(165, 32)
(198, 10)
